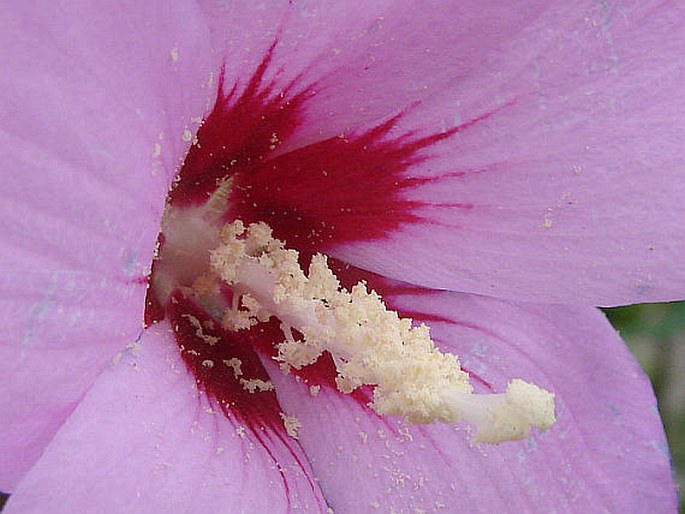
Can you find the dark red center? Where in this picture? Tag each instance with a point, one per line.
(343, 189)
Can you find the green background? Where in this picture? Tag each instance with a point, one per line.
(656, 335)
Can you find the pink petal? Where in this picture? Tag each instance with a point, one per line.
(57, 336)
(144, 440)
(606, 452)
(562, 182)
(88, 91)
(84, 110)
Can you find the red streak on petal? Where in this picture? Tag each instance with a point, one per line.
(237, 135)
(342, 189)
(217, 379)
(259, 411)
(350, 187)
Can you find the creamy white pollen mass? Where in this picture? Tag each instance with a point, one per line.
(369, 344)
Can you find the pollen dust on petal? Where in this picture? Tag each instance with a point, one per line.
(292, 425)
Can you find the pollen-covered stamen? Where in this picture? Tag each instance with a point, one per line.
(506, 416)
(369, 344)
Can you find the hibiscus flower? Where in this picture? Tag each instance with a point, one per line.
(492, 171)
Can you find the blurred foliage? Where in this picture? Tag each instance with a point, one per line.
(656, 335)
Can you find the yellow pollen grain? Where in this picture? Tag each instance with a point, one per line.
(292, 425)
(256, 385)
(236, 365)
(199, 330)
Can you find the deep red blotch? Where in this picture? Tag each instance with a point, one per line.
(237, 135)
(345, 188)
(342, 189)
(208, 361)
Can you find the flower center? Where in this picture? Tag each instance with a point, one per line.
(227, 285)
(243, 276)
